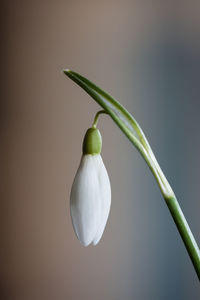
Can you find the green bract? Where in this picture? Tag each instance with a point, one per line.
(92, 142)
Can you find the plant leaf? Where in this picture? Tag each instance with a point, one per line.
(117, 112)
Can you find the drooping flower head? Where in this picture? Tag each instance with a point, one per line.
(90, 197)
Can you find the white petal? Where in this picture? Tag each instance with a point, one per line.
(105, 195)
(85, 199)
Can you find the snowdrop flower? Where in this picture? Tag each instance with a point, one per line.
(90, 197)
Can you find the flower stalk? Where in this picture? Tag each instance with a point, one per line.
(96, 118)
(129, 126)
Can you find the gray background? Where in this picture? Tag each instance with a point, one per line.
(147, 55)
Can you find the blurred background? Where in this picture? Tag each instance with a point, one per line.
(147, 55)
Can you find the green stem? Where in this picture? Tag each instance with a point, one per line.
(174, 208)
(185, 232)
(97, 117)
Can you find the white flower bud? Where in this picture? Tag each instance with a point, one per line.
(90, 199)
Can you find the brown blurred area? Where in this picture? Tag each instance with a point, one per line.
(43, 119)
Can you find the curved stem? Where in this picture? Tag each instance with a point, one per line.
(185, 232)
(97, 117)
(174, 208)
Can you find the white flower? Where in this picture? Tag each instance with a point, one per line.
(90, 199)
